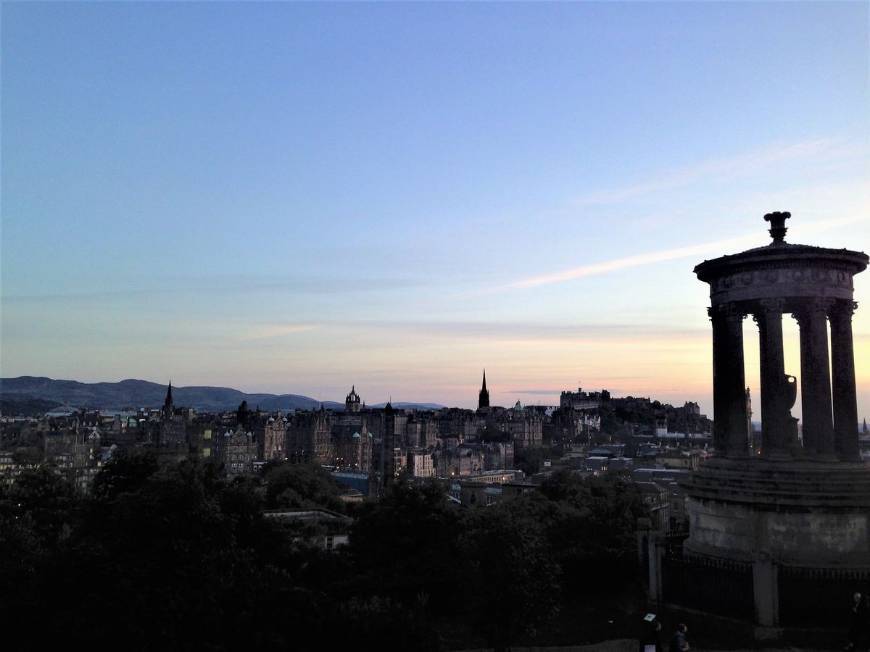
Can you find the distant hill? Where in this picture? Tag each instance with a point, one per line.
(410, 406)
(27, 395)
(143, 394)
(23, 405)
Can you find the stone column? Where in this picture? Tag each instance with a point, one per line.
(775, 417)
(818, 428)
(843, 370)
(729, 399)
(656, 548)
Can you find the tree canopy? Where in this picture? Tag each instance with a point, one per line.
(177, 557)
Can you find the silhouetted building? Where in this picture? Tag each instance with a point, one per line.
(420, 464)
(275, 439)
(388, 470)
(483, 396)
(168, 406)
(172, 435)
(352, 449)
(581, 400)
(240, 451)
(309, 438)
(352, 401)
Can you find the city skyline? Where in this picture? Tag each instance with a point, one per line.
(297, 198)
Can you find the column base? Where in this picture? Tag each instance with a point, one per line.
(778, 456)
(764, 633)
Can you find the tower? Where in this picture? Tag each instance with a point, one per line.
(168, 406)
(388, 444)
(483, 397)
(352, 400)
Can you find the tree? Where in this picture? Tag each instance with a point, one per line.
(406, 546)
(173, 557)
(531, 460)
(126, 471)
(44, 498)
(592, 528)
(38, 513)
(301, 486)
(510, 580)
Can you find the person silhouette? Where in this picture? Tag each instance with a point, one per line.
(679, 642)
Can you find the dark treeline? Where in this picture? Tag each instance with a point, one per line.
(178, 558)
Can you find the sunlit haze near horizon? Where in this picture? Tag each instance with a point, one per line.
(294, 198)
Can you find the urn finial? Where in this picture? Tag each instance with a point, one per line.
(777, 226)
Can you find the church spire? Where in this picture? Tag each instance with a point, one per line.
(483, 397)
(168, 406)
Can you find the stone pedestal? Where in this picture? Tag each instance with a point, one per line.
(806, 517)
(796, 513)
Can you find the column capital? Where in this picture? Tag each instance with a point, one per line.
(772, 305)
(764, 307)
(842, 309)
(806, 308)
(730, 311)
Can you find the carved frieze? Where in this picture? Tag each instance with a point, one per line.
(782, 281)
(761, 277)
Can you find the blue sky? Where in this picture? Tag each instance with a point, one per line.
(297, 197)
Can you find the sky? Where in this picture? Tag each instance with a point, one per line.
(294, 198)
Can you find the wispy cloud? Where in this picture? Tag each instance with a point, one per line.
(227, 284)
(518, 331)
(596, 269)
(268, 331)
(716, 247)
(718, 169)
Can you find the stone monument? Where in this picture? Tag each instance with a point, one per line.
(796, 515)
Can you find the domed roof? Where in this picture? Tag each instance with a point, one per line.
(778, 253)
(781, 271)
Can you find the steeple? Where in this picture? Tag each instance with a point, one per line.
(483, 397)
(168, 406)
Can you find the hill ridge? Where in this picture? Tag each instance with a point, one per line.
(137, 393)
